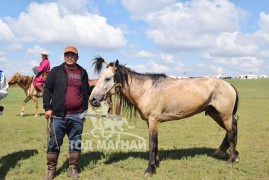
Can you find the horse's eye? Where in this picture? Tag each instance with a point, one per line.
(107, 79)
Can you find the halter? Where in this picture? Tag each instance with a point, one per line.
(114, 85)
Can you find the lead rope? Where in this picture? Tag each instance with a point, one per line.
(55, 136)
(48, 130)
(47, 133)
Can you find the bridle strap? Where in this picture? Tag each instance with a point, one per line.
(114, 85)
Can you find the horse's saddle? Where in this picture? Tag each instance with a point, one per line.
(33, 92)
(44, 75)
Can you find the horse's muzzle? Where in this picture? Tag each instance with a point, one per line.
(94, 102)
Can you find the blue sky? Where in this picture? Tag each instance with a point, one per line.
(192, 38)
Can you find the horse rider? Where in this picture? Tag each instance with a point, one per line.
(3, 89)
(41, 73)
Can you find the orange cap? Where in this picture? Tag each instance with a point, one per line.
(71, 49)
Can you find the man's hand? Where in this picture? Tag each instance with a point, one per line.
(48, 114)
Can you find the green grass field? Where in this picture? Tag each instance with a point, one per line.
(185, 146)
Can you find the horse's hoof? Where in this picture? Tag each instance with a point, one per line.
(22, 114)
(237, 159)
(148, 174)
(232, 161)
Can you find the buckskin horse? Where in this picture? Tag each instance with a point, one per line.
(26, 83)
(159, 98)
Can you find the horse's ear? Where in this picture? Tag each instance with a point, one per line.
(116, 65)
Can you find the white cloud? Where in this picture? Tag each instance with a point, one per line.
(234, 44)
(141, 8)
(168, 58)
(50, 23)
(35, 51)
(216, 69)
(143, 54)
(264, 22)
(162, 63)
(209, 28)
(14, 47)
(240, 64)
(192, 25)
(264, 54)
(6, 33)
(78, 7)
(262, 34)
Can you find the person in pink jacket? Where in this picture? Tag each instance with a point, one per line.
(41, 72)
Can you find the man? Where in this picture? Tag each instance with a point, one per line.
(3, 89)
(65, 98)
(41, 73)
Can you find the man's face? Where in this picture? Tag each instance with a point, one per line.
(70, 58)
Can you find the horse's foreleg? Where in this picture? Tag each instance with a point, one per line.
(117, 106)
(23, 104)
(110, 105)
(36, 106)
(154, 160)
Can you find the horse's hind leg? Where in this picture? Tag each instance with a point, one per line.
(232, 138)
(36, 106)
(229, 141)
(229, 123)
(213, 113)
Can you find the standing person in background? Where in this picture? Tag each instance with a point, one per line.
(65, 98)
(41, 73)
(3, 89)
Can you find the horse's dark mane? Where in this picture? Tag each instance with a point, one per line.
(122, 72)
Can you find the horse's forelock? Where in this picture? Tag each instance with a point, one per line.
(98, 63)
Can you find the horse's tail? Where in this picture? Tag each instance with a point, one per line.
(236, 101)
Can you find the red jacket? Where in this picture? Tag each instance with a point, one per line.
(42, 68)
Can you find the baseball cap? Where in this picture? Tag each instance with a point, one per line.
(71, 49)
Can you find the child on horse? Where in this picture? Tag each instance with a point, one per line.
(41, 73)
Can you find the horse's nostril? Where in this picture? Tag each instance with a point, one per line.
(93, 101)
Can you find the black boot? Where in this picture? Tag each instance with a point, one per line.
(52, 159)
(73, 163)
